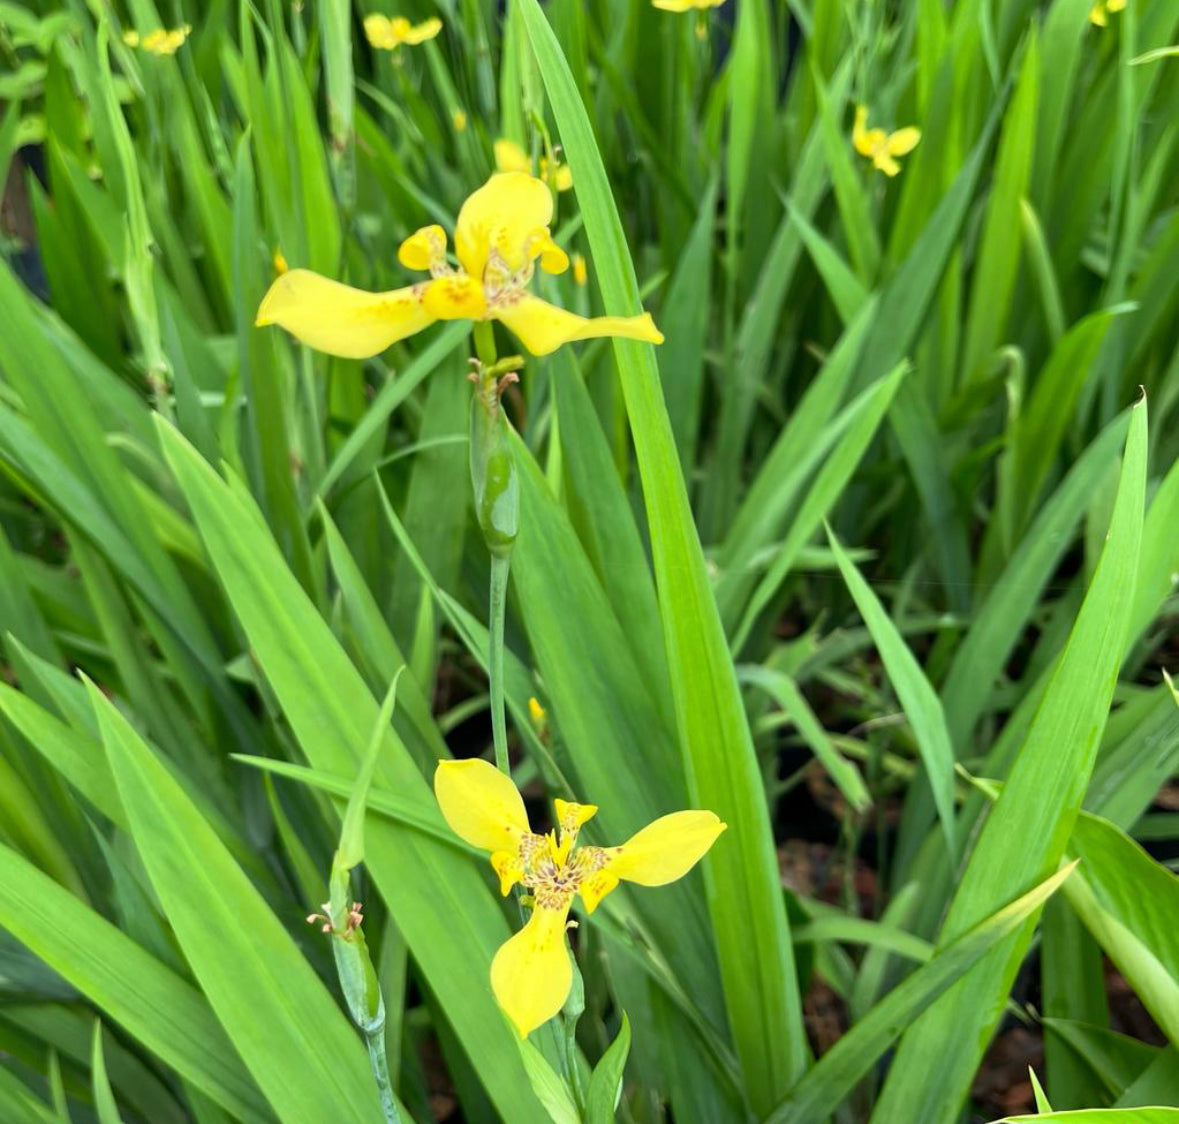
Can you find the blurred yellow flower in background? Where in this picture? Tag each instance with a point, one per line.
(531, 973)
(685, 5)
(160, 41)
(1100, 12)
(388, 33)
(511, 157)
(882, 147)
(580, 270)
(459, 120)
(501, 233)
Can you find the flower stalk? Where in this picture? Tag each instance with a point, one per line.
(495, 484)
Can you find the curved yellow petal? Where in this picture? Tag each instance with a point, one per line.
(543, 327)
(860, 132)
(510, 157)
(903, 141)
(481, 804)
(420, 32)
(424, 248)
(594, 887)
(455, 298)
(507, 865)
(552, 258)
(502, 215)
(665, 849)
(341, 320)
(531, 974)
(886, 163)
(570, 816)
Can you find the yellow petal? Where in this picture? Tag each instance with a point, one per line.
(580, 271)
(503, 214)
(903, 141)
(419, 33)
(1114, 5)
(594, 887)
(570, 816)
(666, 849)
(509, 868)
(673, 5)
(424, 248)
(531, 974)
(860, 132)
(458, 119)
(339, 319)
(455, 298)
(481, 804)
(886, 163)
(1097, 15)
(563, 180)
(543, 327)
(552, 258)
(379, 32)
(510, 157)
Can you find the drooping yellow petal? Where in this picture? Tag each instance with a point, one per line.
(339, 319)
(860, 132)
(424, 248)
(420, 32)
(455, 298)
(665, 849)
(502, 215)
(552, 258)
(531, 974)
(1097, 15)
(903, 141)
(542, 327)
(481, 804)
(886, 163)
(511, 157)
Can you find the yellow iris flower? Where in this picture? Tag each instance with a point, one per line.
(531, 974)
(502, 231)
(685, 5)
(387, 34)
(510, 157)
(1099, 13)
(160, 41)
(882, 147)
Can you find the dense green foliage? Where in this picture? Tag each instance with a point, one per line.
(879, 548)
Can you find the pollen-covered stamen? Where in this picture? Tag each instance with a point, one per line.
(502, 284)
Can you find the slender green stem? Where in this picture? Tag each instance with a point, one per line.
(500, 564)
(380, 1063)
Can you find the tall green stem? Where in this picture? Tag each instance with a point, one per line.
(380, 1066)
(493, 476)
(500, 564)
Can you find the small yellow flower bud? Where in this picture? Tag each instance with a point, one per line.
(459, 120)
(580, 270)
(536, 712)
(280, 262)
